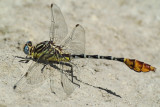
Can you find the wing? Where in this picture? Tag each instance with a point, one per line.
(64, 83)
(70, 82)
(32, 79)
(58, 29)
(75, 42)
(35, 75)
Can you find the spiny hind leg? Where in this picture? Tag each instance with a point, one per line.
(74, 77)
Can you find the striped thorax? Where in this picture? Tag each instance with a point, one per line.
(46, 51)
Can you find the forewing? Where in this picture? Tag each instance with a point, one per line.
(59, 28)
(33, 78)
(75, 42)
(35, 75)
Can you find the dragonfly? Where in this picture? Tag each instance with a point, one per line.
(59, 52)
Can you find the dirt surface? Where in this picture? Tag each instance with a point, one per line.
(120, 28)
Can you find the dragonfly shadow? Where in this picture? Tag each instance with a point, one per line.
(53, 64)
(101, 88)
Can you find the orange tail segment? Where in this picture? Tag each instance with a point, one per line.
(138, 66)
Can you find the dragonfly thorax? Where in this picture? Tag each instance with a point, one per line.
(46, 51)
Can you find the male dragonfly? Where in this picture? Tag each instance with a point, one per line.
(58, 52)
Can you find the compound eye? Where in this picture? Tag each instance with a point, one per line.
(29, 43)
(26, 50)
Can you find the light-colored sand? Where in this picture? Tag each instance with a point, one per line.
(120, 28)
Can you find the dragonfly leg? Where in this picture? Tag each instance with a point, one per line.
(43, 68)
(72, 72)
(73, 76)
(23, 59)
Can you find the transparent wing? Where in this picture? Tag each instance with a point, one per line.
(33, 78)
(58, 29)
(64, 83)
(35, 75)
(75, 42)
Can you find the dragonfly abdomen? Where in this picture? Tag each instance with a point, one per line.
(90, 56)
(97, 57)
(133, 64)
(138, 65)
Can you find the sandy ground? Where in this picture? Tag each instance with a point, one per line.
(120, 28)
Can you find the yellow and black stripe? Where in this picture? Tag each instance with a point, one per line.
(133, 64)
(48, 51)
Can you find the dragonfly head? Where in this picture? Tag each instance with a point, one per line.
(27, 48)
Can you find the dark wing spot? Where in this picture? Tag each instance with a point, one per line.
(15, 86)
(51, 5)
(62, 84)
(26, 74)
(77, 25)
